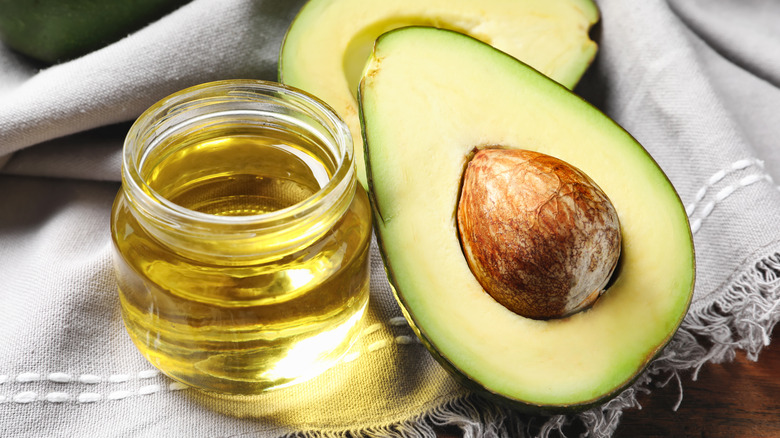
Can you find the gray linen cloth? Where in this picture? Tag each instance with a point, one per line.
(697, 82)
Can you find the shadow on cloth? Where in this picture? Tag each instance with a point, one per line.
(333, 400)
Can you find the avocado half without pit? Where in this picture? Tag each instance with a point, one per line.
(534, 246)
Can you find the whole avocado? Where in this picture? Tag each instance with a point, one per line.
(58, 30)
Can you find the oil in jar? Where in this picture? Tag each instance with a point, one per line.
(243, 325)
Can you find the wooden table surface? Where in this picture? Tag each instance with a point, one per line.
(736, 399)
(740, 399)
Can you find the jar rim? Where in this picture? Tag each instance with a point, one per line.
(153, 202)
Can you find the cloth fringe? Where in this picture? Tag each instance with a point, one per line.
(743, 319)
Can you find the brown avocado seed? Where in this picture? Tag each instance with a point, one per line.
(539, 235)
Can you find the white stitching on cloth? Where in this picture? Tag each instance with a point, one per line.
(89, 397)
(371, 329)
(723, 194)
(61, 378)
(397, 321)
(89, 379)
(403, 339)
(28, 377)
(718, 176)
(726, 191)
(26, 397)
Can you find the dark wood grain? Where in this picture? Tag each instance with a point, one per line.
(736, 399)
(732, 400)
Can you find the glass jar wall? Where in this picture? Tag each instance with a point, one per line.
(241, 237)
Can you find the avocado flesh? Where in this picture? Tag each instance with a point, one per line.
(427, 99)
(328, 43)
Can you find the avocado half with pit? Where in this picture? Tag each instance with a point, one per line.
(432, 100)
(329, 42)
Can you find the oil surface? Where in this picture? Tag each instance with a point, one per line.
(238, 175)
(242, 328)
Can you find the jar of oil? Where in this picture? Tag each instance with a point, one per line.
(241, 237)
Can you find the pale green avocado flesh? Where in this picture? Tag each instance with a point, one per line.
(329, 41)
(427, 98)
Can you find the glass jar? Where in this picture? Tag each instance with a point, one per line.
(241, 236)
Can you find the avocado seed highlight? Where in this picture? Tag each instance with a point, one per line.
(538, 234)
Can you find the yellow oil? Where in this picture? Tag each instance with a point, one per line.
(241, 327)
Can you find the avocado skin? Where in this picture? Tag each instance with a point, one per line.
(54, 31)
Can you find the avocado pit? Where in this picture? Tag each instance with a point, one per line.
(538, 234)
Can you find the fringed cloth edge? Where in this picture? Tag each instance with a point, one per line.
(742, 319)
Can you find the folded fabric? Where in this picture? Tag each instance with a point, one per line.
(702, 96)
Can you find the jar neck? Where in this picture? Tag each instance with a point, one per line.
(237, 239)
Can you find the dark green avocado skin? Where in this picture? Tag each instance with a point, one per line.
(54, 31)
